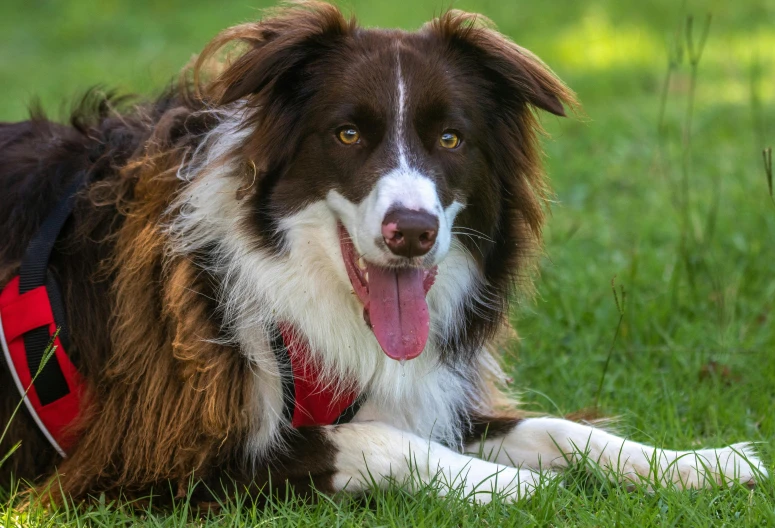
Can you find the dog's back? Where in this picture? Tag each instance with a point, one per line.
(39, 160)
(36, 160)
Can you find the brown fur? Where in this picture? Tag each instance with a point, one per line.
(167, 401)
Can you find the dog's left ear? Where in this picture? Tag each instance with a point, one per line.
(517, 76)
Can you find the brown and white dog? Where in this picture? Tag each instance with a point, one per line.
(377, 194)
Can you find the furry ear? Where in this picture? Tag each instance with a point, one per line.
(516, 74)
(271, 50)
(271, 65)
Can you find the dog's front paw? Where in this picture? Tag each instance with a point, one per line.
(510, 484)
(724, 466)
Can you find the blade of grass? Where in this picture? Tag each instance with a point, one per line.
(620, 307)
(47, 354)
(767, 155)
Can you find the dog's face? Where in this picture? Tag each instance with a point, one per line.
(414, 141)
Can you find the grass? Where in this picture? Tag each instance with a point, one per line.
(661, 186)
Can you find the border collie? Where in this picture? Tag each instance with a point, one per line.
(293, 269)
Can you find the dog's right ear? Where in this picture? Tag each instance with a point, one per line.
(273, 70)
(273, 53)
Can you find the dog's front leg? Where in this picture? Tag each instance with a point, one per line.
(355, 457)
(555, 443)
(373, 453)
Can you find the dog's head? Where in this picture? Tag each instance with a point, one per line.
(418, 144)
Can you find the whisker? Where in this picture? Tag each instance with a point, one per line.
(472, 232)
(473, 239)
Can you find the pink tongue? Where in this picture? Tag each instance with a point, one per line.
(397, 311)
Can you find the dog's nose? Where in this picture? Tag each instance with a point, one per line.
(409, 233)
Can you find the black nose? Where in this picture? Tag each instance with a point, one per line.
(409, 233)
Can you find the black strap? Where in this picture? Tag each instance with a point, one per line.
(349, 413)
(50, 384)
(289, 388)
(286, 372)
(34, 268)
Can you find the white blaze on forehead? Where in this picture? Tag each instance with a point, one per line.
(401, 115)
(404, 186)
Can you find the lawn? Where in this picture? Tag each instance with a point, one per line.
(660, 188)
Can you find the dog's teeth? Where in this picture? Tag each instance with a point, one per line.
(361, 263)
(366, 276)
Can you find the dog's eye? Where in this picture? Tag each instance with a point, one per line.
(348, 135)
(449, 139)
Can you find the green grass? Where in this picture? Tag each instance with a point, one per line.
(685, 224)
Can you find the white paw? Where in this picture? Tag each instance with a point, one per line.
(725, 466)
(510, 484)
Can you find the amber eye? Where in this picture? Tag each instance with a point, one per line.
(348, 135)
(449, 140)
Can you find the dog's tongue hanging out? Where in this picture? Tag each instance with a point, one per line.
(398, 311)
(393, 301)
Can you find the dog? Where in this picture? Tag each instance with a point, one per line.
(291, 270)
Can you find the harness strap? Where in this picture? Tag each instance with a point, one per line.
(286, 372)
(50, 385)
(307, 401)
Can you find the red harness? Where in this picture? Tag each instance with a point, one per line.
(31, 309)
(308, 400)
(53, 398)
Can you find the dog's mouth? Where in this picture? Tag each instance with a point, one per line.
(393, 299)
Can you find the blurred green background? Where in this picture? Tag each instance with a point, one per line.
(660, 183)
(610, 51)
